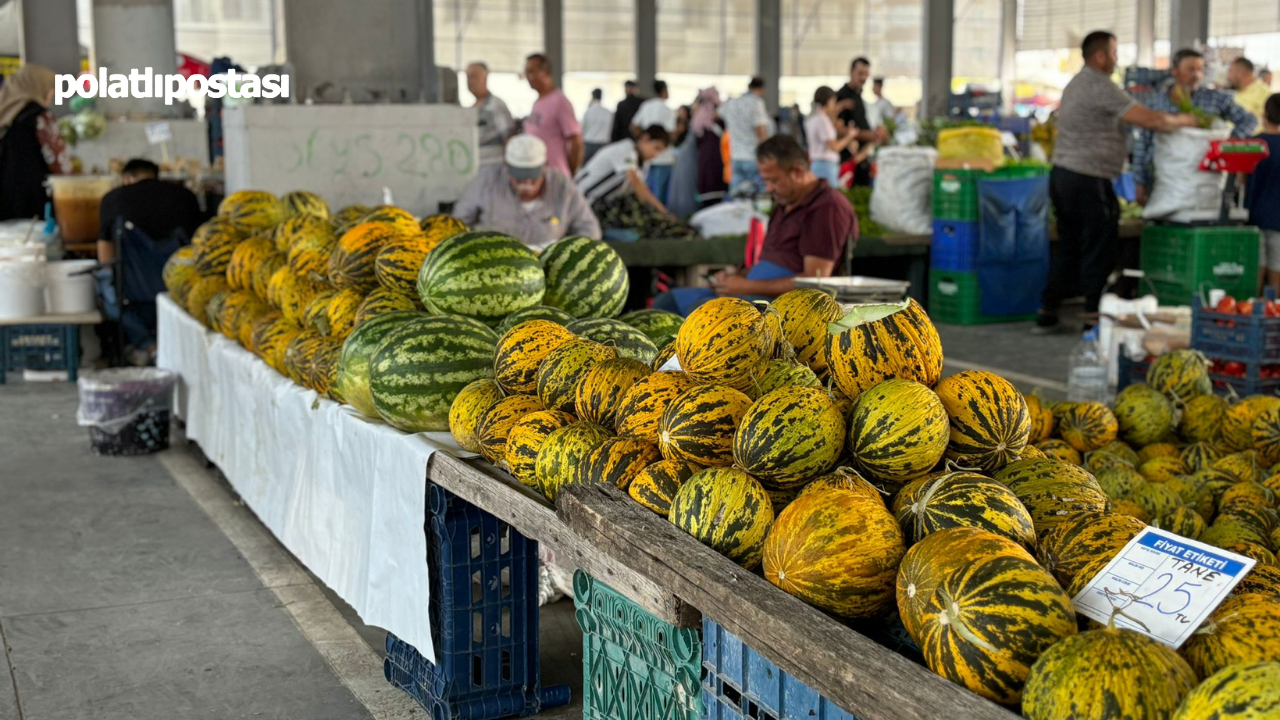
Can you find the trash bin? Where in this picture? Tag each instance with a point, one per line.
(126, 409)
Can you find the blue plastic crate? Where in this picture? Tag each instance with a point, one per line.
(740, 684)
(1244, 338)
(35, 347)
(484, 620)
(955, 246)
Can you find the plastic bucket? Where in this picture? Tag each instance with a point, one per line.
(126, 409)
(65, 292)
(76, 201)
(21, 289)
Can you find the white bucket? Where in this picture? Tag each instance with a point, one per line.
(66, 294)
(21, 289)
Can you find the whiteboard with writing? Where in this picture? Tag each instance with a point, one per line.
(424, 154)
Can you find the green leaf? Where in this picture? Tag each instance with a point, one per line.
(862, 314)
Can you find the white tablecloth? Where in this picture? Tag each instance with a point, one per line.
(346, 495)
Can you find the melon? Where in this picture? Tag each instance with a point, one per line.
(1263, 579)
(699, 424)
(963, 499)
(1051, 490)
(521, 350)
(1087, 426)
(1081, 537)
(483, 276)
(496, 423)
(1199, 456)
(640, 410)
(805, 314)
(250, 210)
(525, 440)
(1180, 375)
(844, 478)
(1243, 629)
(727, 510)
(1181, 521)
(468, 409)
(626, 340)
(302, 202)
(898, 431)
(989, 420)
(659, 326)
(726, 342)
(779, 373)
(271, 337)
(656, 485)
(617, 461)
(562, 453)
(873, 343)
(537, 312)
(348, 217)
(384, 302)
(1202, 418)
(1240, 692)
(564, 367)
(1163, 468)
(600, 392)
(1158, 450)
(399, 259)
(1144, 414)
(1060, 450)
(1042, 424)
(790, 436)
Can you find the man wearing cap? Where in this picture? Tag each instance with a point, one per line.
(521, 198)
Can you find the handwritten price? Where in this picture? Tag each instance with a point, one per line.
(425, 156)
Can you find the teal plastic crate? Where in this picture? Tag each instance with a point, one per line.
(634, 666)
(954, 299)
(955, 192)
(1182, 260)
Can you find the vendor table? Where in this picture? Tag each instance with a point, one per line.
(51, 337)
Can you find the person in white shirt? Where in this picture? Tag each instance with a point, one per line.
(597, 123)
(492, 116)
(881, 109)
(655, 111)
(824, 141)
(746, 119)
(618, 168)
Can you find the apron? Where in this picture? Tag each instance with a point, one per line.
(689, 299)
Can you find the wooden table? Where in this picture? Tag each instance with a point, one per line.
(22, 338)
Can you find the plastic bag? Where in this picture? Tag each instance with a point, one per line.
(111, 399)
(1180, 186)
(971, 143)
(732, 218)
(901, 200)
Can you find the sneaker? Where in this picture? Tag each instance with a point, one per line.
(1046, 324)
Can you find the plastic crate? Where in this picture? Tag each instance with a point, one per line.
(955, 192)
(953, 299)
(1181, 260)
(634, 666)
(1129, 372)
(484, 620)
(1244, 338)
(35, 347)
(954, 246)
(741, 684)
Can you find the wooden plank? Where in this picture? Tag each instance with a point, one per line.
(499, 494)
(864, 678)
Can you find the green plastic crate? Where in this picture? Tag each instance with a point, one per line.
(1182, 260)
(953, 299)
(634, 666)
(955, 192)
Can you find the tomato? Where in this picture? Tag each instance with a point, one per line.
(1244, 307)
(1235, 369)
(1272, 309)
(1226, 305)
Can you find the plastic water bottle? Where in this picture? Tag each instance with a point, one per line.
(1087, 379)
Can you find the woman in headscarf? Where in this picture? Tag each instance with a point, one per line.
(30, 145)
(707, 129)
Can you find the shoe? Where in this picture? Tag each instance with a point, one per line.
(1046, 324)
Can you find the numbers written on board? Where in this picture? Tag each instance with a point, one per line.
(363, 155)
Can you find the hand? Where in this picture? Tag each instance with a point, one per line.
(731, 284)
(1186, 120)
(882, 134)
(1140, 195)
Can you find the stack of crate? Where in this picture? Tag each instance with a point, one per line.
(1181, 261)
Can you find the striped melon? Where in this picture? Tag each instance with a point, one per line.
(844, 478)
(1060, 450)
(309, 255)
(1041, 418)
(656, 485)
(725, 341)
(1237, 423)
(214, 256)
(260, 278)
(1121, 448)
(422, 364)
(179, 273)
(1119, 482)
(1087, 426)
(989, 621)
(805, 314)
(962, 499)
(1180, 375)
(1081, 537)
(836, 550)
(1162, 469)
(400, 259)
(1202, 419)
(1263, 579)
(562, 453)
(989, 420)
(249, 210)
(271, 337)
(659, 326)
(245, 258)
(382, 302)
(210, 230)
(1158, 450)
(299, 228)
(323, 368)
(1051, 490)
(1250, 691)
(780, 374)
(1144, 414)
(1199, 456)
(628, 341)
(1107, 674)
(617, 461)
(1243, 629)
(564, 367)
(1099, 460)
(788, 437)
(302, 202)
(497, 421)
(526, 439)
(934, 558)
(468, 409)
(586, 278)
(874, 343)
(442, 226)
(352, 380)
(483, 276)
(1155, 499)
(297, 356)
(203, 290)
(727, 510)
(1266, 436)
(640, 409)
(666, 354)
(316, 309)
(1030, 452)
(1243, 466)
(898, 431)
(339, 317)
(699, 424)
(1130, 508)
(351, 264)
(522, 349)
(599, 394)
(1181, 521)
(402, 221)
(348, 217)
(262, 324)
(537, 312)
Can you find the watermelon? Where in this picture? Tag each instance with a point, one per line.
(628, 341)
(483, 276)
(727, 510)
(789, 436)
(537, 312)
(586, 278)
(659, 326)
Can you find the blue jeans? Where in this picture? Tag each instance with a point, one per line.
(828, 170)
(658, 179)
(682, 300)
(745, 172)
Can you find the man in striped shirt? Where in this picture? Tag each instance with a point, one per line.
(618, 168)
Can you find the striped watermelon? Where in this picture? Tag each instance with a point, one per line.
(421, 365)
(805, 314)
(641, 408)
(898, 431)
(584, 277)
(357, 353)
(537, 312)
(698, 425)
(468, 409)
(989, 420)
(727, 510)
(874, 343)
(659, 326)
(483, 276)
(526, 439)
(628, 341)
(962, 499)
(788, 437)
(655, 486)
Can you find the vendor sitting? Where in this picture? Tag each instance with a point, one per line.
(618, 168)
(520, 198)
(808, 230)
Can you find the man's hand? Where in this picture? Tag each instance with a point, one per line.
(1140, 195)
(1186, 120)
(731, 284)
(882, 134)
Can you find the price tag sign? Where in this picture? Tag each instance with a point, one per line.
(1162, 585)
(158, 132)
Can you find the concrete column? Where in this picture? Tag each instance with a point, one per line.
(48, 35)
(135, 34)
(553, 36)
(1190, 23)
(1145, 25)
(1008, 54)
(427, 51)
(769, 49)
(937, 46)
(646, 44)
(373, 50)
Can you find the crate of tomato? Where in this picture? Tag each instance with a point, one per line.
(1242, 378)
(1241, 331)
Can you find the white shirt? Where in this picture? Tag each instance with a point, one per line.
(654, 111)
(597, 124)
(605, 174)
(878, 111)
(742, 115)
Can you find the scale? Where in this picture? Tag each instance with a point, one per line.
(1235, 157)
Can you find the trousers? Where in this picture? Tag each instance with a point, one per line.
(1088, 246)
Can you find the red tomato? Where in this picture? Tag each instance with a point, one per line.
(1233, 368)
(1244, 307)
(1226, 305)
(1272, 309)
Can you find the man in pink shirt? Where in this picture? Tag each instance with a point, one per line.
(552, 118)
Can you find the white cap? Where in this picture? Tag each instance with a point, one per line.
(525, 156)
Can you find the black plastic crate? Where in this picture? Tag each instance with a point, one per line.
(1244, 338)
